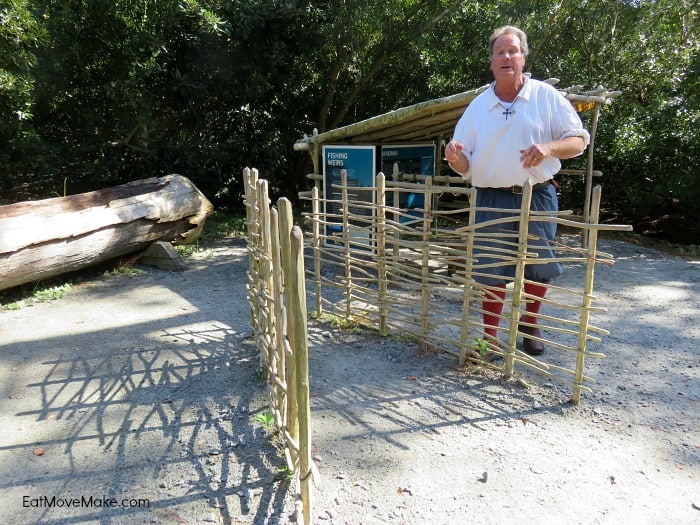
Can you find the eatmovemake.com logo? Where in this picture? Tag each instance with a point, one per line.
(83, 502)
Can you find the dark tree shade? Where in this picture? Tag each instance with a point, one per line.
(96, 93)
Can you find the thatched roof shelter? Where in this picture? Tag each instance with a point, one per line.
(434, 121)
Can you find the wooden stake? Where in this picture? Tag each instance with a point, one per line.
(286, 225)
(297, 306)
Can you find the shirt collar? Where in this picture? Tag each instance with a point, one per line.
(524, 93)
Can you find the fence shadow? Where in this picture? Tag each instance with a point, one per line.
(151, 401)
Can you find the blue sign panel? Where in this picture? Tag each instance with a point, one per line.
(415, 159)
(410, 159)
(359, 163)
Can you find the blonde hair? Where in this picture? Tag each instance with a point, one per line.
(509, 30)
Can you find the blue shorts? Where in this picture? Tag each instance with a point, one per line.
(502, 244)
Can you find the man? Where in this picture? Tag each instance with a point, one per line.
(518, 129)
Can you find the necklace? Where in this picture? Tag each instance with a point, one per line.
(507, 110)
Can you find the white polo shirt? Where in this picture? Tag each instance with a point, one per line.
(493, 133)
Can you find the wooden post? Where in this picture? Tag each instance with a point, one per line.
(381, 253)
(278, 363)
(250, 180)
(469, 282)
(587, 297)
(316, 154)
(425, 259)
(519, 277)
(297, 306)
(396, 204)
(316, 225)
(265, 291)
(589, 173)
(286, 224)
(346, 242)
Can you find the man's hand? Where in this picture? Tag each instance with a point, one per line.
(534, 155)
(454, 157)
(562, 149)
(453, 151)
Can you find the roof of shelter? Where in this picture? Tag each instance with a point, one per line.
(430, 119)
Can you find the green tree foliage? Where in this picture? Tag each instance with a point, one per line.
(99, 92)
(20, 35)
(651, 140)
(123, 84)
(370, 49)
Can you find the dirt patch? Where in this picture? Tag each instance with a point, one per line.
(144, 389)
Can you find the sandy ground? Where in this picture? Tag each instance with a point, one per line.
(132, 399)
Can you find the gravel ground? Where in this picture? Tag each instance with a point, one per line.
(132, 399)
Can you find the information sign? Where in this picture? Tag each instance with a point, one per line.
(412, 159)
(359, 163)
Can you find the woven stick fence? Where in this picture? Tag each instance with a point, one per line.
(412, 272)
(277, 297)
(408, 272)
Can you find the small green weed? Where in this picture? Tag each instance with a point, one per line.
(408, 338)
(190, 250)
(480, 346)
(347, 324)
(284, 474)
(125, 266)
(123, 270)
(16, 300)
(266, 419)
(51, 293)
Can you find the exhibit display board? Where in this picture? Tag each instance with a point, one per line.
(416, 159)
(411, 159)
(359, 163)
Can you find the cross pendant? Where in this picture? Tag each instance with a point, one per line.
(507, 113)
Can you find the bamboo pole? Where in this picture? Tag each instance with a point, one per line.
(589, 172)
(316, 244)
(346, 240)
(381, 252)
(317, 154)
(425, 258)
(286, 224)
(268, 328)
(250, 182)
(520, 263)
(278, 364)
(587, 294)
(297, 306)
(469, 285)
(396, 204)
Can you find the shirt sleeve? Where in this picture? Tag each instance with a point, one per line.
(566, 121)
(463, 133)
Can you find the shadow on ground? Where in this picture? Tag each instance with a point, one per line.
(133, 401)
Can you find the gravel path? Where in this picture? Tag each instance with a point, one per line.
(132, 400)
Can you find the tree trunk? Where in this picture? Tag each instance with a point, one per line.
(42, 239)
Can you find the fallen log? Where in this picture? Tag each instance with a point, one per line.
(46, 238)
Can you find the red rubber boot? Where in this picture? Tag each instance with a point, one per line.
(532, 308)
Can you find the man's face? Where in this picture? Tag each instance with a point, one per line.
(507, 60)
